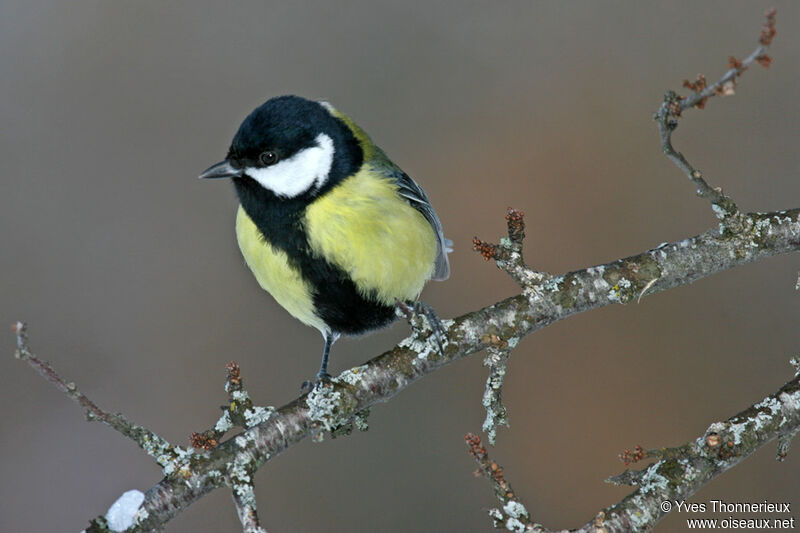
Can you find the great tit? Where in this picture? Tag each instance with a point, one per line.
(328, 224)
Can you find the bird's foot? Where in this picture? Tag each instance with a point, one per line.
(320, 381)
(412, 310)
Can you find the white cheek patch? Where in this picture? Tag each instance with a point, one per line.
(307, 168)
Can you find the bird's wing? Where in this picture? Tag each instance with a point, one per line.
(411, 191)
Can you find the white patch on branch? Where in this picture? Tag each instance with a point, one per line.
(122, 513)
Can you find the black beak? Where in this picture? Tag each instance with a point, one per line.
(223, 169)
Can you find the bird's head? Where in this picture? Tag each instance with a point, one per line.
(291, 148)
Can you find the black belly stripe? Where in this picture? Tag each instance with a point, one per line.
(336, 299)
(345, 311)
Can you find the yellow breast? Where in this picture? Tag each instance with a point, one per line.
(383, 243)
(271, 268)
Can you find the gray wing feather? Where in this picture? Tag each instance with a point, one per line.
(411, 191)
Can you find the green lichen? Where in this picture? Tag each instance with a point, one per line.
(568, 290)
(672, 471)
(628, 278)
(404, 366)
(98, 525)
(360, 420)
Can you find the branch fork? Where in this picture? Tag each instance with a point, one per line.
(240, 411)
(679, 471)
(176, 462)
(508, 254)
(673, 106)
(508, 257)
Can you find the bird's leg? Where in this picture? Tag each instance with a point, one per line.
(416, 308)
(322, 375)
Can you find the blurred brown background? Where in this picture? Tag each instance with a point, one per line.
(125, 265)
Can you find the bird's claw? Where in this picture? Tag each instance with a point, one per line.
(320, 381)
(414, 309)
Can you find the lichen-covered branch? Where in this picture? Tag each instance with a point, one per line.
(508, 257)
(508, 254)
(244, 497)
(513, 516)
(238, 474)
(619, 282)
(240, 411)
(679, 473)
(496, 413)
(723, 446)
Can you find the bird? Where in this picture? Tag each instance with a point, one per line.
(335, 231)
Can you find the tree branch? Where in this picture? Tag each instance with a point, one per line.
(165, 454)
(679, 474)
(244, 498)
(558, 297)
(514, 516)
(673, 105)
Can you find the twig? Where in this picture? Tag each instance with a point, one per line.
(240, 411)
(245, 500)
(628, 477)
(508, 254)
(640, 453)
(156, 447)
(634, 477)
(513, 516)
(496, 359)
(673, 105)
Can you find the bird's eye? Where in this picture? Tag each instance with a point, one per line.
(268, 158)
